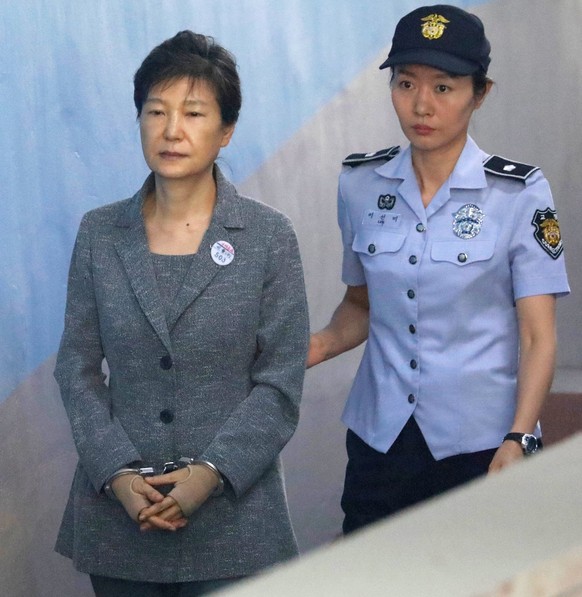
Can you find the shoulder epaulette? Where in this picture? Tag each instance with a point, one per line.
(501, 167)
(355, 159)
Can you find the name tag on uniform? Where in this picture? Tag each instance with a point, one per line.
(380, 220)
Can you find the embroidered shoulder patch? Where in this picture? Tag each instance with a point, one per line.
(547, 232)
(355, 159)
(499, 166)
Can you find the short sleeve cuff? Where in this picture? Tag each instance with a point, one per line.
(557, 285)
(352, 273)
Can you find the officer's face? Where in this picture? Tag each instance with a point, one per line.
(433, 107)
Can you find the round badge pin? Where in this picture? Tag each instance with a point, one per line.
(222, 252)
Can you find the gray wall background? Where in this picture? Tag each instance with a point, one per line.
(532, 115)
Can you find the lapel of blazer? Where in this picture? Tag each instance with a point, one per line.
(226, 217)
(132, 248)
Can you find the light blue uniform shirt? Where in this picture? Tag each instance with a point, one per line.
(443, 341)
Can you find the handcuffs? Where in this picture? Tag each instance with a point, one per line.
(167, 467)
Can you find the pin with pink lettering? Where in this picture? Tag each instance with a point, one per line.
(222, 253)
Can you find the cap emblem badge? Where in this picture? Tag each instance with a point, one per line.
(433, 26)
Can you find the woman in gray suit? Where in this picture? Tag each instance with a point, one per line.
(193, 296)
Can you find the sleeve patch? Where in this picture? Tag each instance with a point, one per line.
(355, 159)
(547, 232)
(502, 167)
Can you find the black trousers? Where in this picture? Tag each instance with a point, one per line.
(378, 485)
(105, 586)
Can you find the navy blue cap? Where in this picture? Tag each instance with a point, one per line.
(442, 36)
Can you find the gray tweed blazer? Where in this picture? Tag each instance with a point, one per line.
(219, 379)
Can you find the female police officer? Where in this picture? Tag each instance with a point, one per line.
(452, 260)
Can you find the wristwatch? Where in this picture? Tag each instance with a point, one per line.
(529, 443)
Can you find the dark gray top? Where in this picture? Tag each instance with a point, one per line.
(170, 271)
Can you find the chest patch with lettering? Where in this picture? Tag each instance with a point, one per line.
(378, 220)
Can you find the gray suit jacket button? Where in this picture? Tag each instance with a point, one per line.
(166, 416)
(166, 362)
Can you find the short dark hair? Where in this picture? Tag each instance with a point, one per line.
(198, 58)
(480, 82)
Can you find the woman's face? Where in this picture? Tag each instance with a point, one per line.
(181, 129)
(434, 108)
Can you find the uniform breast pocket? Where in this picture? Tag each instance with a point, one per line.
(462, 253)
(374, 243)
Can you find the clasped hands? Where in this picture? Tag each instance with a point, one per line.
(192, 486)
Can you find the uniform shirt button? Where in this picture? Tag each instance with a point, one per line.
(166, 362)
(411, 398)
(412, 259)
(166, 416)
(420, 228)
(462, 257)
(413, 364)
(372, 248)
(412, 329)
(411, 294)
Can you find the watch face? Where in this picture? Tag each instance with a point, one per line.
(530, 444)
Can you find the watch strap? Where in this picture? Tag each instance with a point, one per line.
(519, 438)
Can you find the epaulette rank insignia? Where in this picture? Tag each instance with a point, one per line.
(501, 167)
(355, 159)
